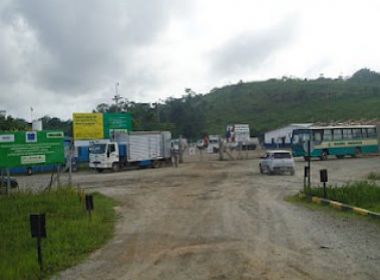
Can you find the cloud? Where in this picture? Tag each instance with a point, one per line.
(246, 51)
(68, 50)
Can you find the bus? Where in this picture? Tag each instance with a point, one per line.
(338, 141)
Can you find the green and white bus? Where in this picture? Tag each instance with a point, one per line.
(339, 141)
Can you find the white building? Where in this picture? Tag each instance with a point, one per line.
(282, 137)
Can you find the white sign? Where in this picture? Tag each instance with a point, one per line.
(33, 159)
(8, 138)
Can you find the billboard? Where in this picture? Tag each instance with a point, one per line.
(88, 126)
(27, 148)
(116, 122)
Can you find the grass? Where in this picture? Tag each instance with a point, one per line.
(373, 176)
(71, 236)
(362, 194)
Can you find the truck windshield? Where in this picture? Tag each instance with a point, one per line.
(98, 149)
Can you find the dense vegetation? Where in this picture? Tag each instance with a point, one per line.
(264, 105)
(71, 236)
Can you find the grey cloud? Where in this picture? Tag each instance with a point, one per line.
(248, 50)
(86, 43)
(75, 49)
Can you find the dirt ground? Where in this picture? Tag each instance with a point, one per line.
(223, 220)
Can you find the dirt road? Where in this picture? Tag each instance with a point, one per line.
(223, 220)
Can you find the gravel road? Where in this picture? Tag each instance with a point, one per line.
(223, 220)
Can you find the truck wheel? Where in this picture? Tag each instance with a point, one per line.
(115, 167)
(29, 171)
(99, 170)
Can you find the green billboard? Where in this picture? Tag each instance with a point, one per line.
(27, 148)
(118, 122)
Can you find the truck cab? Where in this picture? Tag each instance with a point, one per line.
(104, 154)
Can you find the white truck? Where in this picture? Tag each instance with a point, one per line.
(137, 149)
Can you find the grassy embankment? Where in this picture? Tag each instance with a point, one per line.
(70, 234)
(362, 194)
(374, 176)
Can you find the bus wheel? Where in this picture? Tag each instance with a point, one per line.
(358, 151)
(324, 155)
(339, 156)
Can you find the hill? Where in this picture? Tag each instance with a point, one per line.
(273, 103)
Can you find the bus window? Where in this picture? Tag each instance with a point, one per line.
(364, 133)
(317, 136)
(356, 133)
(347, 134)
(337, 134)
(327, 136)
(371, 132)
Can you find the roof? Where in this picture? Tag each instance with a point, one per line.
(278, 151)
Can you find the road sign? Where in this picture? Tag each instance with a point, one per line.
(88, 126)
(28, 148)
(117, 122)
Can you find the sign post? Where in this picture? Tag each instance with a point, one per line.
(38, 230)
(89, 204)
(324, 179)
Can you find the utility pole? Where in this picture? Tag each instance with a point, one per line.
(117, 96)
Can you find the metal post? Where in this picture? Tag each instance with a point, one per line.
(70, 167)
(180, 149)
(309, 163)
(39, 253)
(324, 190)
(8, 182)
(58, 176)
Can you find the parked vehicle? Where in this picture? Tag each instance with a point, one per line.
(339, 141)
(141, 149)
(275, 162)
(4, 182)
(213, 144)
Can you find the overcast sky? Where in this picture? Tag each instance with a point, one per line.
(61, 56)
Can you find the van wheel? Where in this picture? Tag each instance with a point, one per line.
(99, 170)
(261, 169)
(324, 155)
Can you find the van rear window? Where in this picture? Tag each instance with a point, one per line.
(282, 155)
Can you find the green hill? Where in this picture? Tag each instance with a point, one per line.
(273, 103)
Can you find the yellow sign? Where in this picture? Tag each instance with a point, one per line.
(88, 126)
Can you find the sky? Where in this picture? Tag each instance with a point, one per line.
(61, 57)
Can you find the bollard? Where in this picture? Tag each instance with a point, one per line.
(323, 179)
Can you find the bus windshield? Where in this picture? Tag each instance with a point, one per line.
(300, 136)
(98, 148)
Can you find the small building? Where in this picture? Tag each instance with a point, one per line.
(282, 137)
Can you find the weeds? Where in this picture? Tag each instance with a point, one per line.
(70, 234)
(361, 194)
(373, 176)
